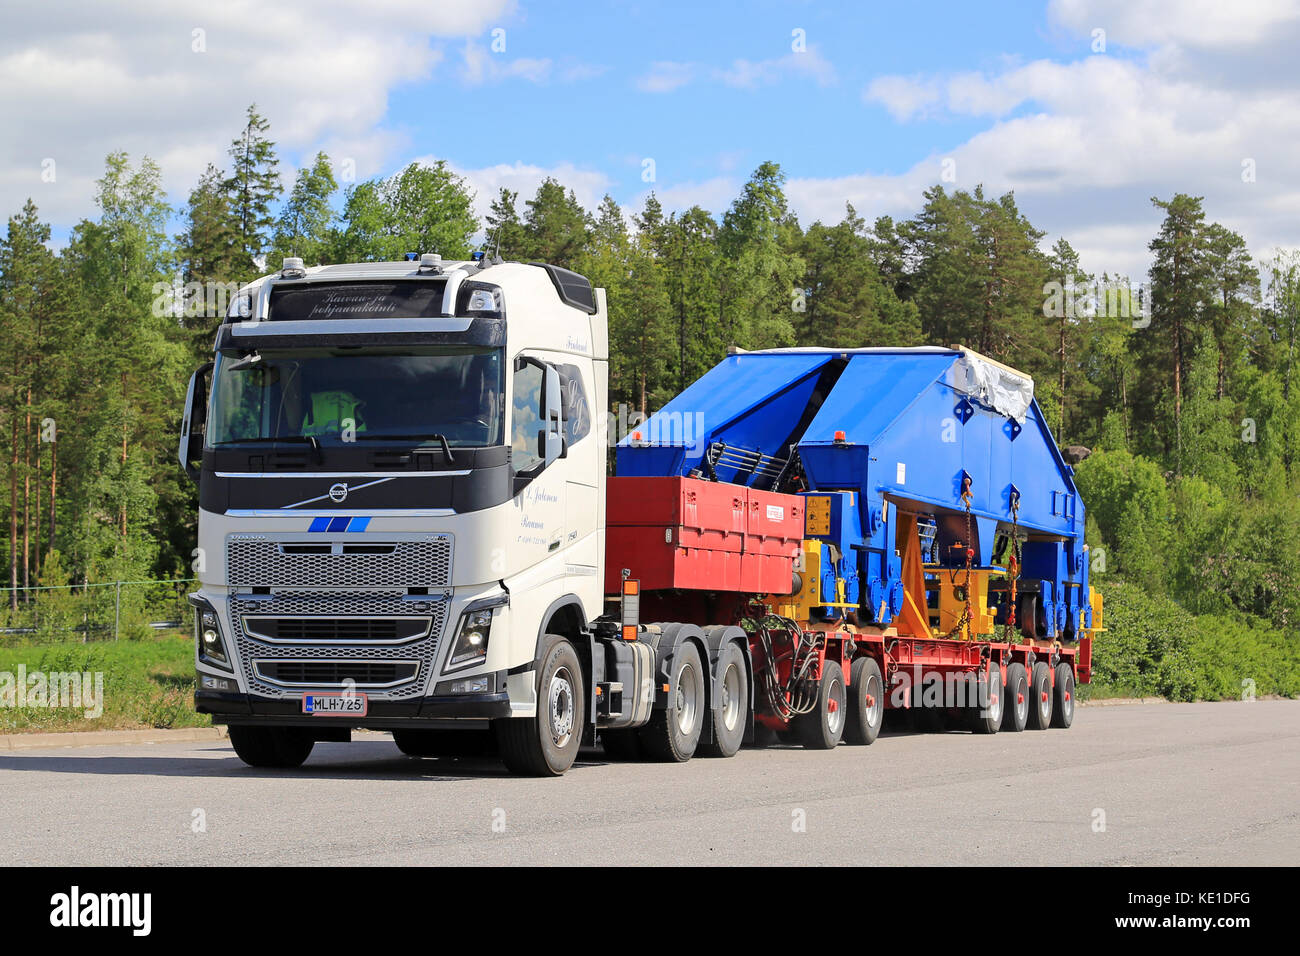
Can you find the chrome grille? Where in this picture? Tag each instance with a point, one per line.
(254, 561)
(328, 607)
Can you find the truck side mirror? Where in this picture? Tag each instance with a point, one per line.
(552, 438)
(190, 448)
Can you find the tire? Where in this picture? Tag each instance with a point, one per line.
(865, 719)
(1063, 709)
(444, 743)
(1040, 700)
(822, 727)
(546, 745)
(622, 744)
(730, 704)
(674, 732)
(279, 747)
(986, 715)
(1015, 698)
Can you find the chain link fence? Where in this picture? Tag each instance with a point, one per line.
(107, 611)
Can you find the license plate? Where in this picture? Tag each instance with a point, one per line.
(335, 705)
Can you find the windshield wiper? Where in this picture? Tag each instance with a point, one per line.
(440, 439)
(270, 439)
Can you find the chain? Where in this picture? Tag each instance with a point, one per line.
(966, 614)
(1013, 570)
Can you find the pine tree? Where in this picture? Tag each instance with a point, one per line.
(303, 228)
(253, 187)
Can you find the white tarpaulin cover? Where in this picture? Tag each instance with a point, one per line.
(995, 386)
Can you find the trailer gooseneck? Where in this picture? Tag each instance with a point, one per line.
(406, 525)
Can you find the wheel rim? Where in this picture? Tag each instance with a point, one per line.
(731, 694)
(688, 702)
(1022, 700)
(1067, 705)
(993, 701)
(835, 708)
(561, 706)
(877, 709)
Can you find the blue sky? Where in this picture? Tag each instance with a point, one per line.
(1085, 108)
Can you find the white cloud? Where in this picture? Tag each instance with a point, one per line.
(1085, 144)
(666, 76)
(905, 97)
(171, 79)
(751, 74)
(1188, 23)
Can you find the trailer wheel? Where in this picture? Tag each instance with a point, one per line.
(1040, 710)
(444, 743)
(546, 745)
(731, 704)
(1063, 711)
(1015, 698)
(674, 732)
(623, 744)
(278, 747)
(866, 702)
(822, 727)
(986, 715)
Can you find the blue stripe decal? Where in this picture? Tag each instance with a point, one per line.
(359, 524)
(338, 524)
(319, 524)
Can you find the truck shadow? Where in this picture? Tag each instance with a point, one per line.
(366, 760)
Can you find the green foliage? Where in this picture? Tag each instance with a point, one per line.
(1190, 406)
(421, 209)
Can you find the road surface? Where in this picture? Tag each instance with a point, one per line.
(1200, 784)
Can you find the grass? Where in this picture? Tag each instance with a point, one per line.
(146, 683)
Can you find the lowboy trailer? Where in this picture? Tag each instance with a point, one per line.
(407, 525)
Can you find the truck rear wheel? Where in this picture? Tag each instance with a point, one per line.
(822, 727)
(547, 745)
(674, 732)
(444, 743)
(1063, 710)
(730, 705)
(1040, 701)
(280, 747)
(986, 714)
(1015, 698)
(866, 702)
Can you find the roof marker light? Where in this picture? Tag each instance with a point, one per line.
(839, 437)
(292, 268)
(431, 262)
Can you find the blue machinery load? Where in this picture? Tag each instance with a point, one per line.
(939, 451)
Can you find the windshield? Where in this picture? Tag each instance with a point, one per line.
(344, 395)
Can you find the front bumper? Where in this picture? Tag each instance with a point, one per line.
(430, 712)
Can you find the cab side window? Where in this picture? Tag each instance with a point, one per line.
(577, 413)
(526, 418)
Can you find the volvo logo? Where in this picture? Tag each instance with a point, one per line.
(338, 493)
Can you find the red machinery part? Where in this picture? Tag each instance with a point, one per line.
(692, 534)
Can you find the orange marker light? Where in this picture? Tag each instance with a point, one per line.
(839, 436)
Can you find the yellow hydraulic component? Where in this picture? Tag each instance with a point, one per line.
(1094, 598)
(952, 602)
(798, 606)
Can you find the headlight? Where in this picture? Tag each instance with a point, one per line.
(207, 631)
(471, 641)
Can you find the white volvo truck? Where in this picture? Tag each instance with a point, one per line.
(401, 472)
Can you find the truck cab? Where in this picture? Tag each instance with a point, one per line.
(401, 513)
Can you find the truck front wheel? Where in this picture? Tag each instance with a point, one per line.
(279, 747)
(547, 745)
